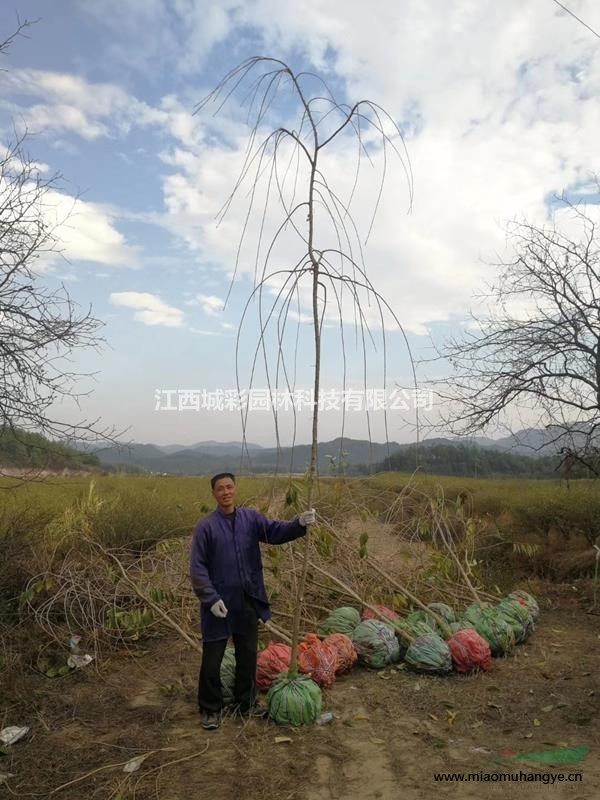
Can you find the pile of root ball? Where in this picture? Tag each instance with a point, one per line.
(433, 640)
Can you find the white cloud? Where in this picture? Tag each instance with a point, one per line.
(501, 103)
(502, 106)
(86, 231)
(70, 104)
(211, 305)
(149, 308)
(177, 34)
(202, 332)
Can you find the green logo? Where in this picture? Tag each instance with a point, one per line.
(564, 755)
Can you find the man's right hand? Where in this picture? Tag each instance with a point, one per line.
(219, 609)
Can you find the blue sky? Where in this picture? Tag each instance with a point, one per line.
(499, 104)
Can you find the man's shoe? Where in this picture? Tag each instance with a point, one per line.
(210, 720)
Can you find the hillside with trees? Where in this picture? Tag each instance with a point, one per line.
(24, 450)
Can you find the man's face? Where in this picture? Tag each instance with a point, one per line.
(224, 492)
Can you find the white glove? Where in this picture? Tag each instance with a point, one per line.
(307, 517)
(219, 609)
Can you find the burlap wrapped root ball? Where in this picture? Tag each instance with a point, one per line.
(294, 700)
(346, 652)
(342, 620)
(376, 643)
(526, 599)
(490, 623)
(385, 613)
(429, 653)
(228, 676)
(318, 659)
(271, 662)
(470, 652)
(443, 610)
(519, 618)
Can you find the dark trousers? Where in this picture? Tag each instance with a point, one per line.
(210, 694)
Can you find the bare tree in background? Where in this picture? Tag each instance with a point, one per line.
(40, 328)
(539, 347)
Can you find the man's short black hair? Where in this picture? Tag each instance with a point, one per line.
(219, 477)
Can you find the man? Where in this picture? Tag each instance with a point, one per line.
(227, 576)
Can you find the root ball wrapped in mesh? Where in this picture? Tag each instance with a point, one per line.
(318, 659)
(342, 620)
(228, 675)
(470, 652)
(444, 611)
(346, 652)
(526, 599)
(519, 617)
(294, 700)
(490, 623)
(417, 619)
(429, 653)
(271, 662)
(376, 643)
(414, 626)
(384, 613)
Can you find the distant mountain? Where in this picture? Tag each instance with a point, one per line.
(349, 455)
(531, 441)
(171, 448)
(224, 448)
(24, 450)
(469, 461)
(144, 451)
(344, 451)
(141, 455)
(210, 457)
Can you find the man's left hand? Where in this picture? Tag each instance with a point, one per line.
(307, 517)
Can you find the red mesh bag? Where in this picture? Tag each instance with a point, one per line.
(346, 652)
(470, 651)
(386, 613)
(270, 662)
(318, 659)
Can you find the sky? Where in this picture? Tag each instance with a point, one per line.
(499, 106)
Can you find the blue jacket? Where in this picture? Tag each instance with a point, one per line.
(225, 564)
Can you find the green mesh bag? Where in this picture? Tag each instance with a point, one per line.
(228, 676)
(418, 618)
(402, 641)
(294, 701)
(519, 618)
(376, 644)
(489, 623)
(342, 620)
(527, 599)
(414, 626)
(429, 653)
(444, 611)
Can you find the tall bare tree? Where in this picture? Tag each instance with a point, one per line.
(538, 347)
(290, 177)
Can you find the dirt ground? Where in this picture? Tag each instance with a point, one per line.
(393, 729)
